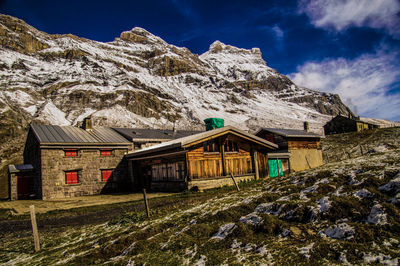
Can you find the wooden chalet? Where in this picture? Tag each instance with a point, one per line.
(342, 124)
(201, 161)
(298, 149)
(67, 161)
(143, 137)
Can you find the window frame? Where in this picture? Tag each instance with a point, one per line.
(231, 146)
(211, 146)
(68, 153)
(108, 151)
(69, 172)
(110, 178)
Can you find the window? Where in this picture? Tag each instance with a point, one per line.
(71, 153)
(71, 177)
(231, 146)
(168, 171)
(211, 146)
(106, 175)
(105, 152)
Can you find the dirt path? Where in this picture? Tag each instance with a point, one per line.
(19, 207)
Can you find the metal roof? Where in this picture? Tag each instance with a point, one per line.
(290, 132)
(143, 134)
(50, 134)
(16, 168)
(191, 140)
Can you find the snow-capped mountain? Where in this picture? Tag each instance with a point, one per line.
(140, 80)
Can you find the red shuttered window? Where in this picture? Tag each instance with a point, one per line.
(105, 153)
(71, 153)
(106, 175)
(71, 177)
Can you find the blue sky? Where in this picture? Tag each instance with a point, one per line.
(349, 47)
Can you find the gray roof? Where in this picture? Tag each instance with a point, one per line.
(50, 134)
(143, 134)
(290, 132)
(16, 168)
(190, 140)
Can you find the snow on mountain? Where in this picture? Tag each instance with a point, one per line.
(139, 80)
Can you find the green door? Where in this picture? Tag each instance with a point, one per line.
(275, 167)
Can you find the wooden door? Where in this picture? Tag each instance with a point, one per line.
(23, 186)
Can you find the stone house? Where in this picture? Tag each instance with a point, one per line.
(341, 124)
(298, 149)
(201, 161)
(67, 161)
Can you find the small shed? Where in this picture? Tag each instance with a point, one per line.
(298, 149)
(201, 161)
(21, 181)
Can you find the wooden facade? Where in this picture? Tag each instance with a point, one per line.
(341, 124)
(207, 161)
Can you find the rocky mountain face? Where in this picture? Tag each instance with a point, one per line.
(139, 80)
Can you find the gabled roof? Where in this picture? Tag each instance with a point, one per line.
(143, 134)
(200, 137)
(50, 134)
(290, 133)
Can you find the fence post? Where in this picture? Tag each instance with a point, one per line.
(146, 204)
(234, 181)
(34, 228)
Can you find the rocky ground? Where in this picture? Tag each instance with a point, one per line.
(345, 212)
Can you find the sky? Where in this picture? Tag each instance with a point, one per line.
(347, 47)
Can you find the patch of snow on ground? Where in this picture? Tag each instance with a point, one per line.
(263, 251)
(395, 199)
(377, 215)
(284, 198)
(381, 258)
(343, 259)
(340, 231)
(224, 231)
(322, 181)
(251, 218)
(269, 208)
(202, 261)
(324, 204)
(393, 186)
(380, 148)
(363, 193)
(306, 250)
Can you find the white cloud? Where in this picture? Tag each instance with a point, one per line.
(341, 14)
(278, 31)
(362, 83)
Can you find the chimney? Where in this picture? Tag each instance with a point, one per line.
(87, 123)
(358, 118)
(306, 127)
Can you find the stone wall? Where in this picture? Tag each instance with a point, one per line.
(89, 163)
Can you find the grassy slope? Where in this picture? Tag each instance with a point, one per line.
(315, 216)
